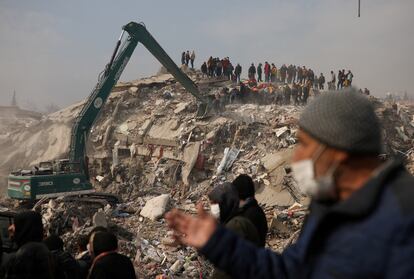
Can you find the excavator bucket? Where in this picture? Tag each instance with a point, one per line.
(203, 110)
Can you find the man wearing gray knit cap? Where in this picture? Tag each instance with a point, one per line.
(361, 220)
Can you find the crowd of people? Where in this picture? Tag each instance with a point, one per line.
(42, 257)
(269, 73)
(266, 83)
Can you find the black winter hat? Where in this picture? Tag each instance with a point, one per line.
(245, 186)
(104, 242)
(28, 227)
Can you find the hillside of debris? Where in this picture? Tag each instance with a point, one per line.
(149, 149)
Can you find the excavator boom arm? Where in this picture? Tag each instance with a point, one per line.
(90, 111)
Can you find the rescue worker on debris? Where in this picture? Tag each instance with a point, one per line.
(107, 263)
(237, 72)
(267, 70)
(321, 81)
(249, 207)
(273, 73)
(332, 83)
(204, 69)
(187, 57)
(183, 58)
(286, 94)
(252, 72)
(259, 72)
(361, 220)
(295, 93)
(192, 58)
(224, 204)
(305, 92)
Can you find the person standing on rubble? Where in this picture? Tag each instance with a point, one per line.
(273, 73)
(249, 207)
(192, 58)
(210, 66)
(267, 72)
(224, 204)
(340, 80)
(305, 92)
(361, 219)
(183, 58)
(187, 57)
(295, 93)
(237, 72)
(294, 71)
(349, 77)
(219, 68)
(107, 262)
(300, 75)
(252, 72)
(286, 94)
(321, 81)
(315, 82)
(331, 86)
(283, 73)
(229, 71)
(259, 73)
(204, 69)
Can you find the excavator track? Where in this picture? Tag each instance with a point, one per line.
(99, 199)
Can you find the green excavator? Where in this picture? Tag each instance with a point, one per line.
(70, 177)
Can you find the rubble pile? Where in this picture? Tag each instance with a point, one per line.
(150, 150)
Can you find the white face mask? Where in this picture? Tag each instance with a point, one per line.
(322, 188)
(215, 210)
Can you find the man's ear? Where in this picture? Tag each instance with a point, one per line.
(340, 155)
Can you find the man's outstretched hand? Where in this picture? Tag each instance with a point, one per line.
(190, 230)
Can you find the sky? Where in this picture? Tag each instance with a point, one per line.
(51, 52)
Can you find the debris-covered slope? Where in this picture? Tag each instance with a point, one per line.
(149, 149)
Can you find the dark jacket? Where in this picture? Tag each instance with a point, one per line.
(238, 70)
(84, 263)
(67, 266)
(113, 266)
(227, 197)
(252, 211)
(369, 235)
(32, 260)
(252, 70)
(245, 229)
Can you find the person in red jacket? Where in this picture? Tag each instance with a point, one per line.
(267, 71)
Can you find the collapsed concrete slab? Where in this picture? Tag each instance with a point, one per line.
(155, 207)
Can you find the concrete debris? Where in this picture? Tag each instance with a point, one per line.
(190, 156)
(99, 220)
(155, 207)
(181, 107)
(148, 149)
(176, 267)
(281, 131)
(230, 155)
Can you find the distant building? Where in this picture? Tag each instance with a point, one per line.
(14, 101)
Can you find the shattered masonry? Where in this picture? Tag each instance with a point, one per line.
(150, 150)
